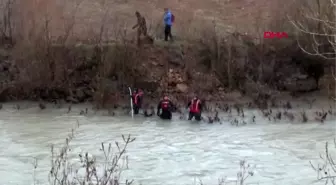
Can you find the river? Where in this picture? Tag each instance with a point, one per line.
(167, 153)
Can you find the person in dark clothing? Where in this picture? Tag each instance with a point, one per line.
(195, 109)
(168, 21)
(137, 100)
(166, 107)
(141, 25)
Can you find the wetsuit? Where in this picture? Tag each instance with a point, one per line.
(166, 106)
(195, 109)
(137, 101)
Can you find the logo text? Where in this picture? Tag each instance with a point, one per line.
(272, 35)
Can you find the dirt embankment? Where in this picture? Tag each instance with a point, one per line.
(82, 73)
(41, 58)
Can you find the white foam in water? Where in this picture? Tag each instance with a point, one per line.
(167, 153)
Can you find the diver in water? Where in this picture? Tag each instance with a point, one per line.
(166, 107)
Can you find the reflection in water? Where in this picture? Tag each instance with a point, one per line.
(171, 152)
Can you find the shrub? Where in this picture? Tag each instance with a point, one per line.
(88, 169)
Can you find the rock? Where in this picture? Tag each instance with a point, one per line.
(110, 85)
(4, 93)
(147, 40)
(233, 96)
(182, 88)
(299, 85)
(179, 79)
(176, 62)
(72, 99)
(88, 92)
(150, 86)
(4, 54)
(80, 94)
(175, 57)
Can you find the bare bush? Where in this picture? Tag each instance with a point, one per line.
(326, 170)
(245, 171)
(224, 55)
(88, 170)
(50, 55)
(68, 168)
(316, 19)
(315, 23)
(56, 46)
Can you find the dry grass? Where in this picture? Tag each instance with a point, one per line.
(229, 32)
(88, 15)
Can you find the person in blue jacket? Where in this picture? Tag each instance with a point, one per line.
(168, 21)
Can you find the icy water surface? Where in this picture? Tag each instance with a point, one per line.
(167, 153)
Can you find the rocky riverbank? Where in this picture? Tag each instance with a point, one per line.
(86, 73)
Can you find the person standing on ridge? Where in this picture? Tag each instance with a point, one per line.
(141, 25)
(168, 19)
(137, 100)
(166, 107)
(195, 109)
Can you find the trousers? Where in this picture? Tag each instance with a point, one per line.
(166, 115)
(136, 109)
(196, 115)
(168, 33)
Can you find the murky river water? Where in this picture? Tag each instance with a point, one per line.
(167, 153)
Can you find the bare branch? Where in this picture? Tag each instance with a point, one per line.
(319, 24)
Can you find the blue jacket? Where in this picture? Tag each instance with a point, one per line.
(167, 18)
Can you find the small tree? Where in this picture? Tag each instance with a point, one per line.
(315, 22)
(88, 170)
(326, 170)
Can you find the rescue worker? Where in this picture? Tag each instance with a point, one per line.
(195, 109)
(141, 25)
(137, 100)
(166, 107)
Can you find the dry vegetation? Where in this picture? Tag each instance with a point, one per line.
(81, 50)
(108, 168)
(326, 169)
(68, 168)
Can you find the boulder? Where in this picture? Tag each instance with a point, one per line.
(175, 57)
(110, 85)
(72, 99)
(183, 88)
(80, 95)
(174, 78)
(150, 86)
(299, 83)
(88, 92)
